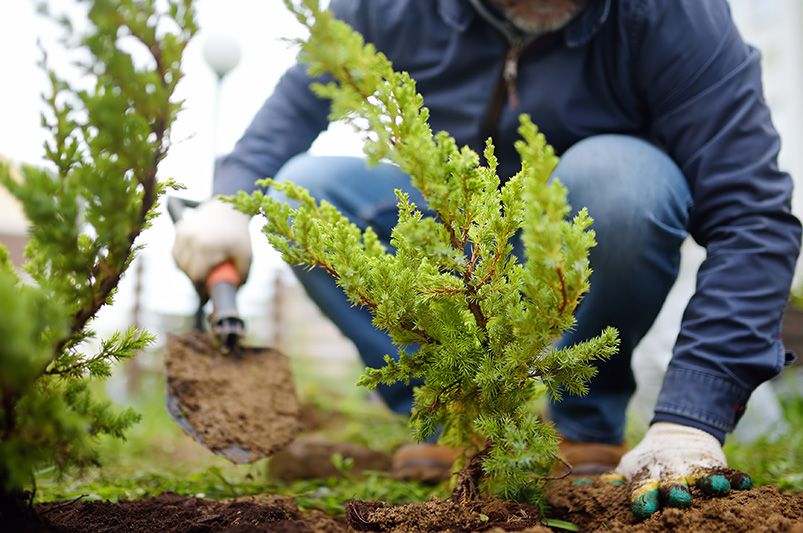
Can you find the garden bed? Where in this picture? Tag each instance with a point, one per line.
(594, 506)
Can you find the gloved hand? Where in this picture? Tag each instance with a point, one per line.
(669, 459)
(209, 235)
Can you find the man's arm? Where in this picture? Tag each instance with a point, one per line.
(289, 120)
(702, 86)
(286, 125)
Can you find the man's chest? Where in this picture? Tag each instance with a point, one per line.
(571, 93)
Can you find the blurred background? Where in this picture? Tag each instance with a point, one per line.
(249, 37)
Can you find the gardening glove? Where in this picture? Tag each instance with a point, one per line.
(669, 459)
(209, 235)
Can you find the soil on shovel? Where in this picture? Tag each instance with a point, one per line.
(597, 506)
(232, 402)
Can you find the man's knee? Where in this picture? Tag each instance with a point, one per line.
(625, 182)
(364, 194)
(316, 174)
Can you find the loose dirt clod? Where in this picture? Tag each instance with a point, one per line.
(233, 403)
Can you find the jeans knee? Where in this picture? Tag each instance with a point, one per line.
(625, 182)
(305, 171)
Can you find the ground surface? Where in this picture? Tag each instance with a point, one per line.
(591, 507)
(206, 493)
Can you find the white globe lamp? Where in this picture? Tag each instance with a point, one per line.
(222, 54)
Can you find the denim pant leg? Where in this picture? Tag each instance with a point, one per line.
(366, 196)
(640, 201)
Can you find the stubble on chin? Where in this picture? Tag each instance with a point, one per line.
(539, 16)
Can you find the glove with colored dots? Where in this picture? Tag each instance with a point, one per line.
(668, 460)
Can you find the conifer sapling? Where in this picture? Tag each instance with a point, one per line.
(475, 323)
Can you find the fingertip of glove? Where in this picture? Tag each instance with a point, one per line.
(675, 494)
(740, 481)
(713, 485)
(644, 500)
(613, 478)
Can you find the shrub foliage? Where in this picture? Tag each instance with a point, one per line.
(476, 323)
(85, 212)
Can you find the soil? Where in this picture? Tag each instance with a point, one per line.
(241, 406)
(600, 506)
(792, 332)
(173, 513)
(445, 515)
(596, 506)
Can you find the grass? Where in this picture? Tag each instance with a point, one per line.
(157, 457)
(778, 460)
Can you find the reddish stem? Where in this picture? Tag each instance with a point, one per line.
(562, 290)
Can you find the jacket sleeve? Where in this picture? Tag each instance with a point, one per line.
(286, 125)
(701, 85)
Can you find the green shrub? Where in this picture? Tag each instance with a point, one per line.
(483, 322)
(85, 212)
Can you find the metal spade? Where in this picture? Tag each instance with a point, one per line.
(239, 401)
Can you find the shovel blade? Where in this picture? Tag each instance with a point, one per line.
(242, 407)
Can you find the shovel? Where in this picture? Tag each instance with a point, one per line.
(239, 401)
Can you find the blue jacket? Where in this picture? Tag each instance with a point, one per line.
(673, 71)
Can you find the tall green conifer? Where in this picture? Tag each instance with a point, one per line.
(483, 322)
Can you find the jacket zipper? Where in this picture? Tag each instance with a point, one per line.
(510, 73)
(506, 86)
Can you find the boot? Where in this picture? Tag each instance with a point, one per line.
(427, 463)
(589, 458)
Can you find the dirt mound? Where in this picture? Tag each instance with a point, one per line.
(173, 513)
(600, 506)
(241, 406)
(444, 515)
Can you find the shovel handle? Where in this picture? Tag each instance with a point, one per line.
(224, 272)
(226, 323)
(221, 284)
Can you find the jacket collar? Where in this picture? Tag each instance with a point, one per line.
(458, 14)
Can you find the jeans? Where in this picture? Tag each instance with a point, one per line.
(640, 202)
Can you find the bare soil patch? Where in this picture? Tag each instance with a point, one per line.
(444, 515)
(173, 513)
(311, 458)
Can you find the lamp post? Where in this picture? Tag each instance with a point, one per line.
(222, 54)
